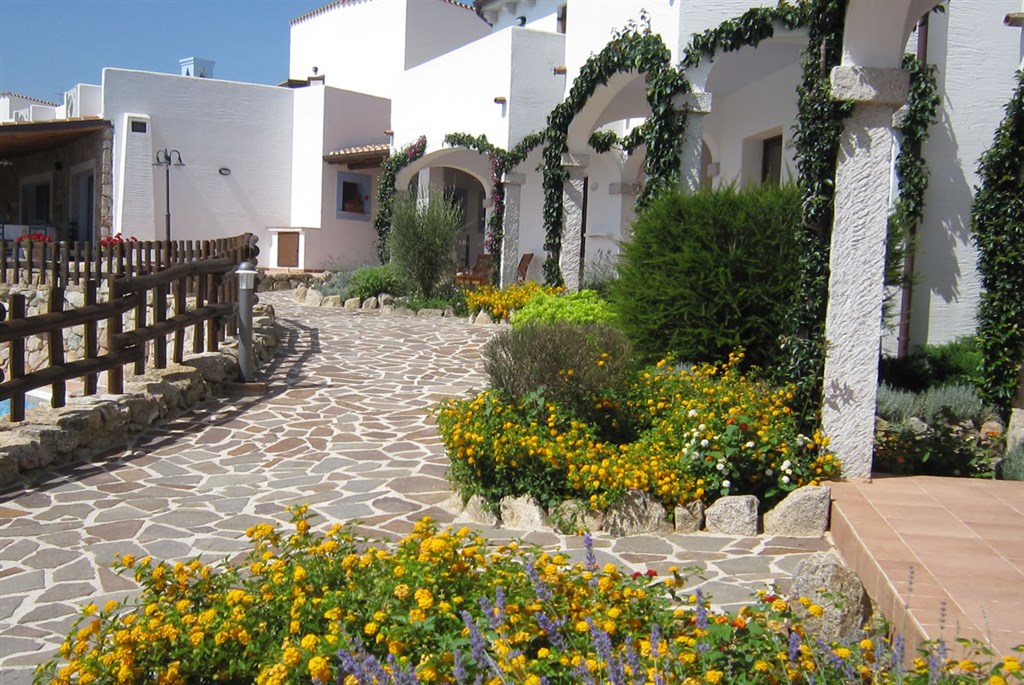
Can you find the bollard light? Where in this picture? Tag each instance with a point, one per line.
(246, 273)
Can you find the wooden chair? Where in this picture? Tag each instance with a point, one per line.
(524, 267)
(480, 275)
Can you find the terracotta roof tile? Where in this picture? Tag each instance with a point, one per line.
(29, 97)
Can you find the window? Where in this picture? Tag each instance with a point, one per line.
(35, 203)
(771, 160)
(353, 196)
(138, 127)
(560, 25)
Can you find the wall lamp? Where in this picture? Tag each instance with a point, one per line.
(500, 100)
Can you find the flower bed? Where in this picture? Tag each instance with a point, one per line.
(444, 606)
(680, 434)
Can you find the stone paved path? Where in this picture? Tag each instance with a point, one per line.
(345, 428)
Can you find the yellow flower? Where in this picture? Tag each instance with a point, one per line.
(370, 628)
(424, 599)
(996, 680)
(309, 642)
(402, 591)
(815, 611)
(713, 676)
(1011, 664)
(319, 669)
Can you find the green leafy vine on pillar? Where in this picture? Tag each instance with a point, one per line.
(389, 169)
(997, 224)
(502, 162)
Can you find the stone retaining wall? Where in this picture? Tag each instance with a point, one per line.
(90, 425)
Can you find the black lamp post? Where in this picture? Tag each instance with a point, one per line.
(166, 158)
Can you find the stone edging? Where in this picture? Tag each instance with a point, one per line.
(90, 425)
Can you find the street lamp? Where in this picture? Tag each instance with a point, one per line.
(246, 273)
(166, 158)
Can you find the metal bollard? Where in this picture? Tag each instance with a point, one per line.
(246, 273)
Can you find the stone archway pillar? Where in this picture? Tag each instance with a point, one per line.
(696, 106)
(572, 219)
(853, 323)
(510, 241)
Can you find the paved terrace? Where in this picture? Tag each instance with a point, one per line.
(345, 428)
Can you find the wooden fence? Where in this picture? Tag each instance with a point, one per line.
(141, 277)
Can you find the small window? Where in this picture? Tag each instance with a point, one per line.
(138, 127)
(771, 161)
(560, 26)
(353, 196)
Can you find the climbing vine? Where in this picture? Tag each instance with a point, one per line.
(746, 30)
(997, 223)
(386, 190)
(633, 49)
(502, 161)
(912, 172)
(816, 139)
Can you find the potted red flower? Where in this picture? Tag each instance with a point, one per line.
(37, 241)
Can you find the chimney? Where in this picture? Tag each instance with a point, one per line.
(196, 66)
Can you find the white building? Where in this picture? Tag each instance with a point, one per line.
(297, 164)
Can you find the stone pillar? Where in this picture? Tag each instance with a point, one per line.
(510, 242)
(853, 323)
(572, 219)
(697, 106)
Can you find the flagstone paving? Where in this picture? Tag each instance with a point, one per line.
(345, 428)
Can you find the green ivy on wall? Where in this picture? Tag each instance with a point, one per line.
(635, 49)
(386, 190)
(816, 140)
(997, 224)
(502, 161)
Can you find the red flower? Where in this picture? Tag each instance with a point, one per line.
(34, 238)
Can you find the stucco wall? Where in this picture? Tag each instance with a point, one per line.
(365, 45)
(976, 56)
(214, 124)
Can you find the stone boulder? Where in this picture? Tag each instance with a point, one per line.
(1015, 429)
(635, 514)
(826, 581)
(574, 515)
(476, 511)
(689, 517)
(331, 301)
(214, 367)
(384, 299)
(370, 303)
(430, 313)
(804, 513)
(521, 513)
(482, 317)
(299, 294)
(314, 298)
(353, 303)
(733, 515)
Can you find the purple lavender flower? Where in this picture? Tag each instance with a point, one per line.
(794, 646)
(476, 640)
(702, 612)
(552, 629)
(588, 544)
(539, 587)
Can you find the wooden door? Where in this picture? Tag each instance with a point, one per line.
(288, 250)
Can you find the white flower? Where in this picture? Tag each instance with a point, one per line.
(693, 413)
(749, 445)
(704, 443)
(726, 484)
(785, 479)
(702, 427)
(786, 464)
(720, 466)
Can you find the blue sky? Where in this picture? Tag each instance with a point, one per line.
(47, 46)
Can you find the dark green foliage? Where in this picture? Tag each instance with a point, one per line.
(997, 222)
(445, 296)
(571, 365)
(709, 272)
(953, 362)
(423, 238)
(386, 190)
(371, 281)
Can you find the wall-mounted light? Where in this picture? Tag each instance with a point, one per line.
(560, 70)
(500, 100)
(224, 171)
(520, 21)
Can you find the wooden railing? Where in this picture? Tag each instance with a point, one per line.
(139, 277)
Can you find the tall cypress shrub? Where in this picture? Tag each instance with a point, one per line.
(706, 273)
(997, 223)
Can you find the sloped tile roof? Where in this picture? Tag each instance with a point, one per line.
(359, 153)
(29, 97)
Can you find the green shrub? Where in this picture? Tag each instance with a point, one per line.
(600, 274)
(708, 272)
(371, 281)
(895, 405)
(585, 306)
(958, 361)
(422, 238)
(445, 296)
(334, 283)
(578, 367)
(1012, 465)
(951, 403)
